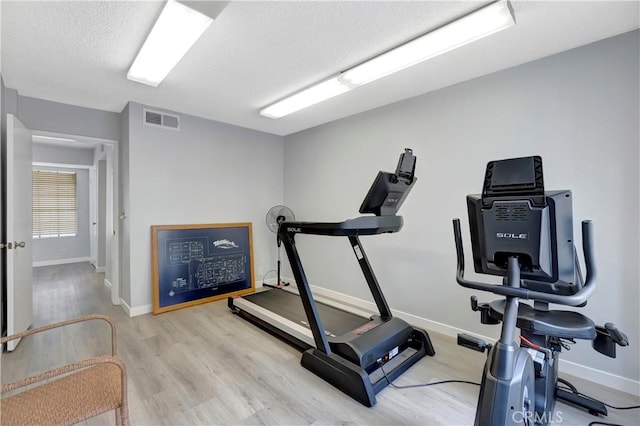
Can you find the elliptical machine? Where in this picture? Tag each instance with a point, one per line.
(525, 234)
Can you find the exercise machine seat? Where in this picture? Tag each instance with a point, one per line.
(564, 324)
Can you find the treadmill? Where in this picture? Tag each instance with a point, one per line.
(360, 354)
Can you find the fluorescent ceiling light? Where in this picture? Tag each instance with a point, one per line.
(53, 138)
(314, 94)
(490, 19)
(174, 33)
(486, 21)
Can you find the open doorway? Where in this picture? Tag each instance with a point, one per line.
(97, 158)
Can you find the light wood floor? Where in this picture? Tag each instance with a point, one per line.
(204, 365)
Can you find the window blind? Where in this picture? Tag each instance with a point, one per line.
(54, 204)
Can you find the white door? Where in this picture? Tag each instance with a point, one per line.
(19, 230)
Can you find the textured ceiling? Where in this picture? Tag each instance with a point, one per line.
(258, 52)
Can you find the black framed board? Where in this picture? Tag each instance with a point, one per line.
(194, 264)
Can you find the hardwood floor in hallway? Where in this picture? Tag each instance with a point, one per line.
(204, 365)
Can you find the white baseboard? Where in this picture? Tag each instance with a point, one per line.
(108, 284)
(100, 269)
(60, 261)
(601, 377)
(125, 306)
(137, 310)
(597, 376)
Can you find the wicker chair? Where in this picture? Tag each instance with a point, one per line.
(70, 393)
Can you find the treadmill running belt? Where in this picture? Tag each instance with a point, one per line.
(288, 305)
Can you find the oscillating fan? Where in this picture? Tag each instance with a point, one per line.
(275, 216)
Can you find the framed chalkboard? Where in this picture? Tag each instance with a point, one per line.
(193, 264)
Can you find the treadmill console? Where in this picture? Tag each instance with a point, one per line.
(389, 190)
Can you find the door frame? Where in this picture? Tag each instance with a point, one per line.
(112, 274)
(92, 218)
(94, 200)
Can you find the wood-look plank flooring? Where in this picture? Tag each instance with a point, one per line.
(205, 365)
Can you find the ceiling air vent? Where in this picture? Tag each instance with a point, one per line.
(158, 119)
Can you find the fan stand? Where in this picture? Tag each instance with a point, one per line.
(279, 282)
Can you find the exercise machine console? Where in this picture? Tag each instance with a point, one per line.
(525, 234)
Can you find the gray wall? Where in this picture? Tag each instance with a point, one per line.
(47, 153)
(207, 172)
(57, 250)
(579, 110)
(38, 114)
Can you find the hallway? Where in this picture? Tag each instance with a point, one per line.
(69, 290)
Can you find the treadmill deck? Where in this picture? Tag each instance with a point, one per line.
(288, 305)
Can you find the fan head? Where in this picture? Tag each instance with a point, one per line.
(278, 214)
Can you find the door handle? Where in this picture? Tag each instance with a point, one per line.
(8, 246)
(20, 244)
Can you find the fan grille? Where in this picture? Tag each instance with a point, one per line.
(278, 214)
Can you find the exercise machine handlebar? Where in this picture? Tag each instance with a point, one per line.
(576, 299)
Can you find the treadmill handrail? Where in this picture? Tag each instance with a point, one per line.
(363, 225)
(576, 299)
